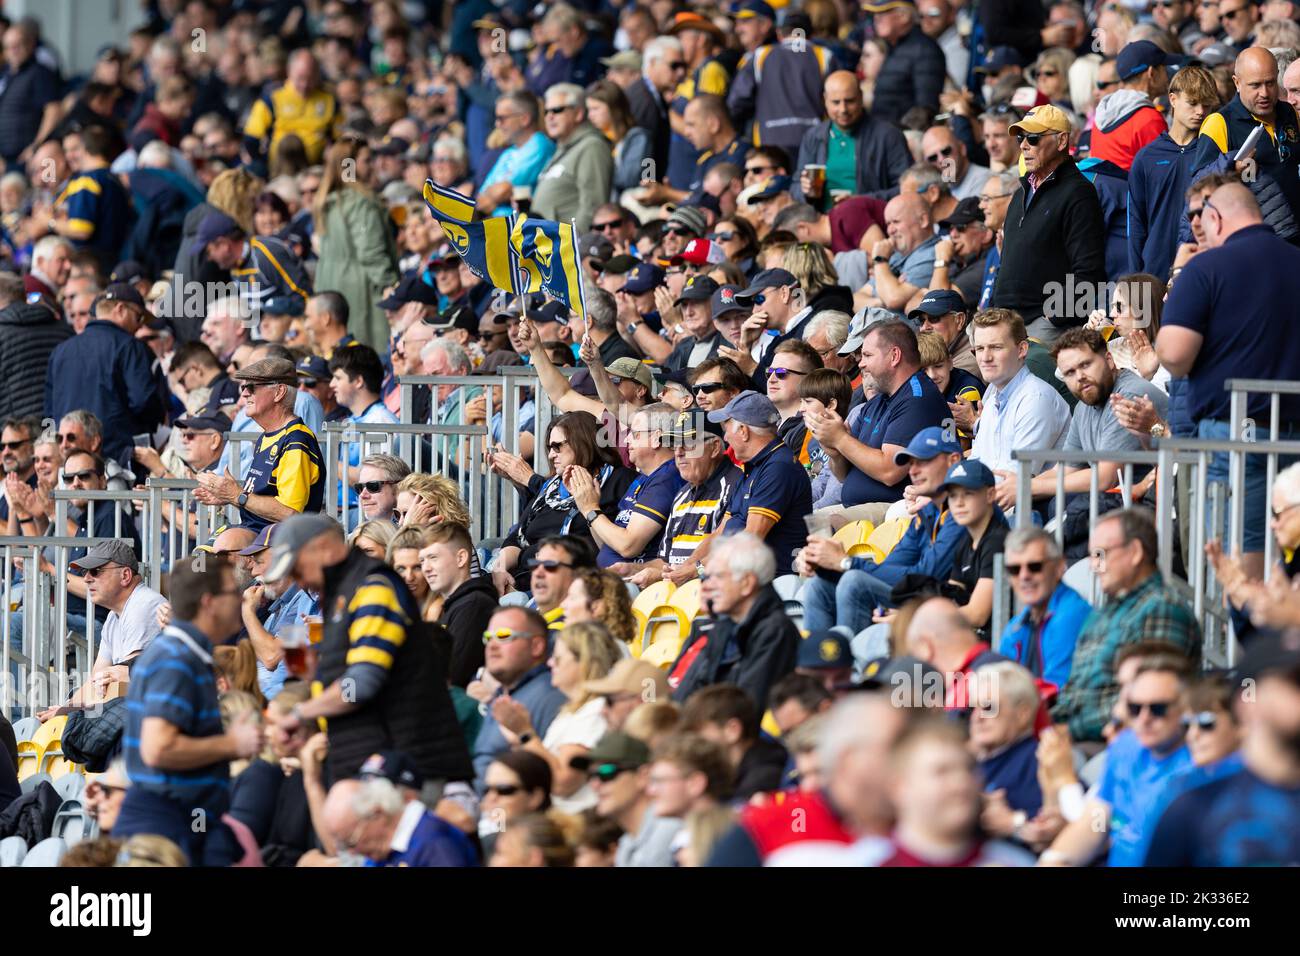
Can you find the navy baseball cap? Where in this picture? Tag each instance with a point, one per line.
(753, 8)
(971, 473)
(938, 302)
(551, 312)
(767, 279)
(693, 425)
(727, 299)
(773, 187)
(128, 271)
(824, 650)
(210, 417)
(620, 265)
(260, 543)
(643, 278)
(1137, 57)
(927, 444)
(999, 58)
(412, 288)
(214, 226)
(394, 766)
(880, 672)
(123, 292)
(748, 408)
(968, 210)
(698, 289)
(313, 366)
(283, 305)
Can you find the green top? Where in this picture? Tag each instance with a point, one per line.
(841, 164)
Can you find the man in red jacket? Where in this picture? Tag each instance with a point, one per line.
(1126, 120)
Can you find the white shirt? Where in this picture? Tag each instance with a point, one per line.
(130, 632)
(582, 727)
(1026, 413)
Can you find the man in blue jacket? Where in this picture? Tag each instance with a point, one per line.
(1162, 172)
(926, 548)
(108, 371)
(1041, 637)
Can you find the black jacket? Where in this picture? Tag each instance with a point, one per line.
(883, 156)
(31, 816)
(465, 615)
(650, 112)
(753, 654)
(1053, 250)
(913, 75)
(761, 770)
(28, 334)
(412, 711)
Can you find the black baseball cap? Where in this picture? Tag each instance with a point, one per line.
(412, 288)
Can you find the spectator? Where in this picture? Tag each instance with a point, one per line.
(1198, 340)
(287, 473)
(51, 266)
(301, 107)
(105, 793)
(629, 684)
(995, 200)
(572, 54)
(609, 112)
(618, 769)
(775, 493)
(535, 840)
(264, 267)
(954, 383)
(1239, 24)
(914, 68)
(29, 333)
(518, 122)
(662, 69)
(516, 641)
(376, 485)
(468, 600)
(1127, 120)
(305, 406)
(962, 260)
(971, 504)
(29, 95)
(373, 820)
(1055, 242)
(944, 151)
(725, 715)
(1041, 637)
(21, 503)
(1003, 740)
(358, 258)
(1019, 409)
(517, 783)
(744, 611)
(356, 377)
(944, 311)
(789, 103)
(110, 373)
(1148, 752)
(577, 177)
(286, 605)
(600, 596)
(689, 772)
(939, 634)
(376, 646)
(903, 263)
(1141, 606)
(176, 751)
(93, 210)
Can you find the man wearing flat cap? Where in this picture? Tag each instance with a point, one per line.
(287, 472)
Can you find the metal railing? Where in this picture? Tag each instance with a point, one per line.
(1239, 390)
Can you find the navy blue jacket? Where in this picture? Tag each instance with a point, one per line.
(1111, 183)
(107, 371)
(1157, 182)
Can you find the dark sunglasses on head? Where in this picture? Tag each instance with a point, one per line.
(1157, 708)
(708, 388)
(1205, 720)
(10, 445)
(86, 475)
(1034, 568)
(374, 487)
(676, 230)
(605, 772)
(942, 154)
(781, 373)
(548, 565)
(503, 790)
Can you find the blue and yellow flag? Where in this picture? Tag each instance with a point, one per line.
(514, 253)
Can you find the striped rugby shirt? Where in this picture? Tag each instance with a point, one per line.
(697, 513)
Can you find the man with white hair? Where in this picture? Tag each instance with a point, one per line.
(853, 754)
(746, 638)
(663, 67)
(577, 177)
(372, 819)
(827, 332)
(51, 266)
(227, 326)
(442, 356)
(155, 155)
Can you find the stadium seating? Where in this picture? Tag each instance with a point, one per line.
(12, 851)
(883, 538)
(73, 823)
(645, 606)
(853, 537)
(46, 853)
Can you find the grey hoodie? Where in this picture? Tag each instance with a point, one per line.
(1114, 107)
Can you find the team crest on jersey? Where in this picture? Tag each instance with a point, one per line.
(704, 521)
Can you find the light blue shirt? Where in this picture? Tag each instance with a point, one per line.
(520, 166)
(292, 607)
(305, 405)
(1025, 413)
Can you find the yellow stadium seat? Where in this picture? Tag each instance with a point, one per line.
(645, 607)
(884, 537)
(29, 759)
(687, 600)
(49, 740)
(853, 537)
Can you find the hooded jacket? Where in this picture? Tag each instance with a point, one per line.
(577, 178)
(790, 103)
(882, 154)
(913, 75)
(1111, 184)
(1125, 121)
(753, 653)
(465, 615)
(1157, 184)
(28, 335)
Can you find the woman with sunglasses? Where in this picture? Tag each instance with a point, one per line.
(738, 240)
(572, 439)
(516, 782)
(1052, 77)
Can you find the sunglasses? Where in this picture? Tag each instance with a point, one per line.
(1194, 214)
(555, 446)
(780, 373)
(504, 790)
(10, 445)
(556, 110)
(64, 439)
(1048, 73)
(312, 383)
(605, 772)
(251, 387)
(1205, 720)
(95, 572)
(1031, 138)
(1034, 567)
(708, 388)
(1157, 708)
(759, 170)
(1107, 85)
(550, 566)
(676, 65)
(602, 226)
(374, 487)
(679, 231)
(1231, 14)
(70, 477)
(722, 237)
(942, 154)
(503, 635)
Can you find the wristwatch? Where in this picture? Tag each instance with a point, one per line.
(242, 499)
(846, 563)
(632, 327)
(526, 738)
(941, 263)
(1158, 430)
(699, 569)
(880, 259)
(592, 515)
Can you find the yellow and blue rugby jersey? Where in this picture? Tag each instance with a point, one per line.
(697, 513)
(378, 623)
(315, 119)
(99, 210)
(287, 465)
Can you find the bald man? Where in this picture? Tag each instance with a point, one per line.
(1221, 321)
(1257, 101)
(939, 634)
(1291, 84)
(861, 154)
(941, 149)
(901, 264)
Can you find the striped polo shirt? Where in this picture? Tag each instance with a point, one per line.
(697, 513)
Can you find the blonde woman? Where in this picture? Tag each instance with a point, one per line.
(810, 263)
(583, 652)
(236, 706)
(1052, 76)
(145, 849)
(426, 499)
(358, 256)
(701, 831)
(403, 556)
(373, 538)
